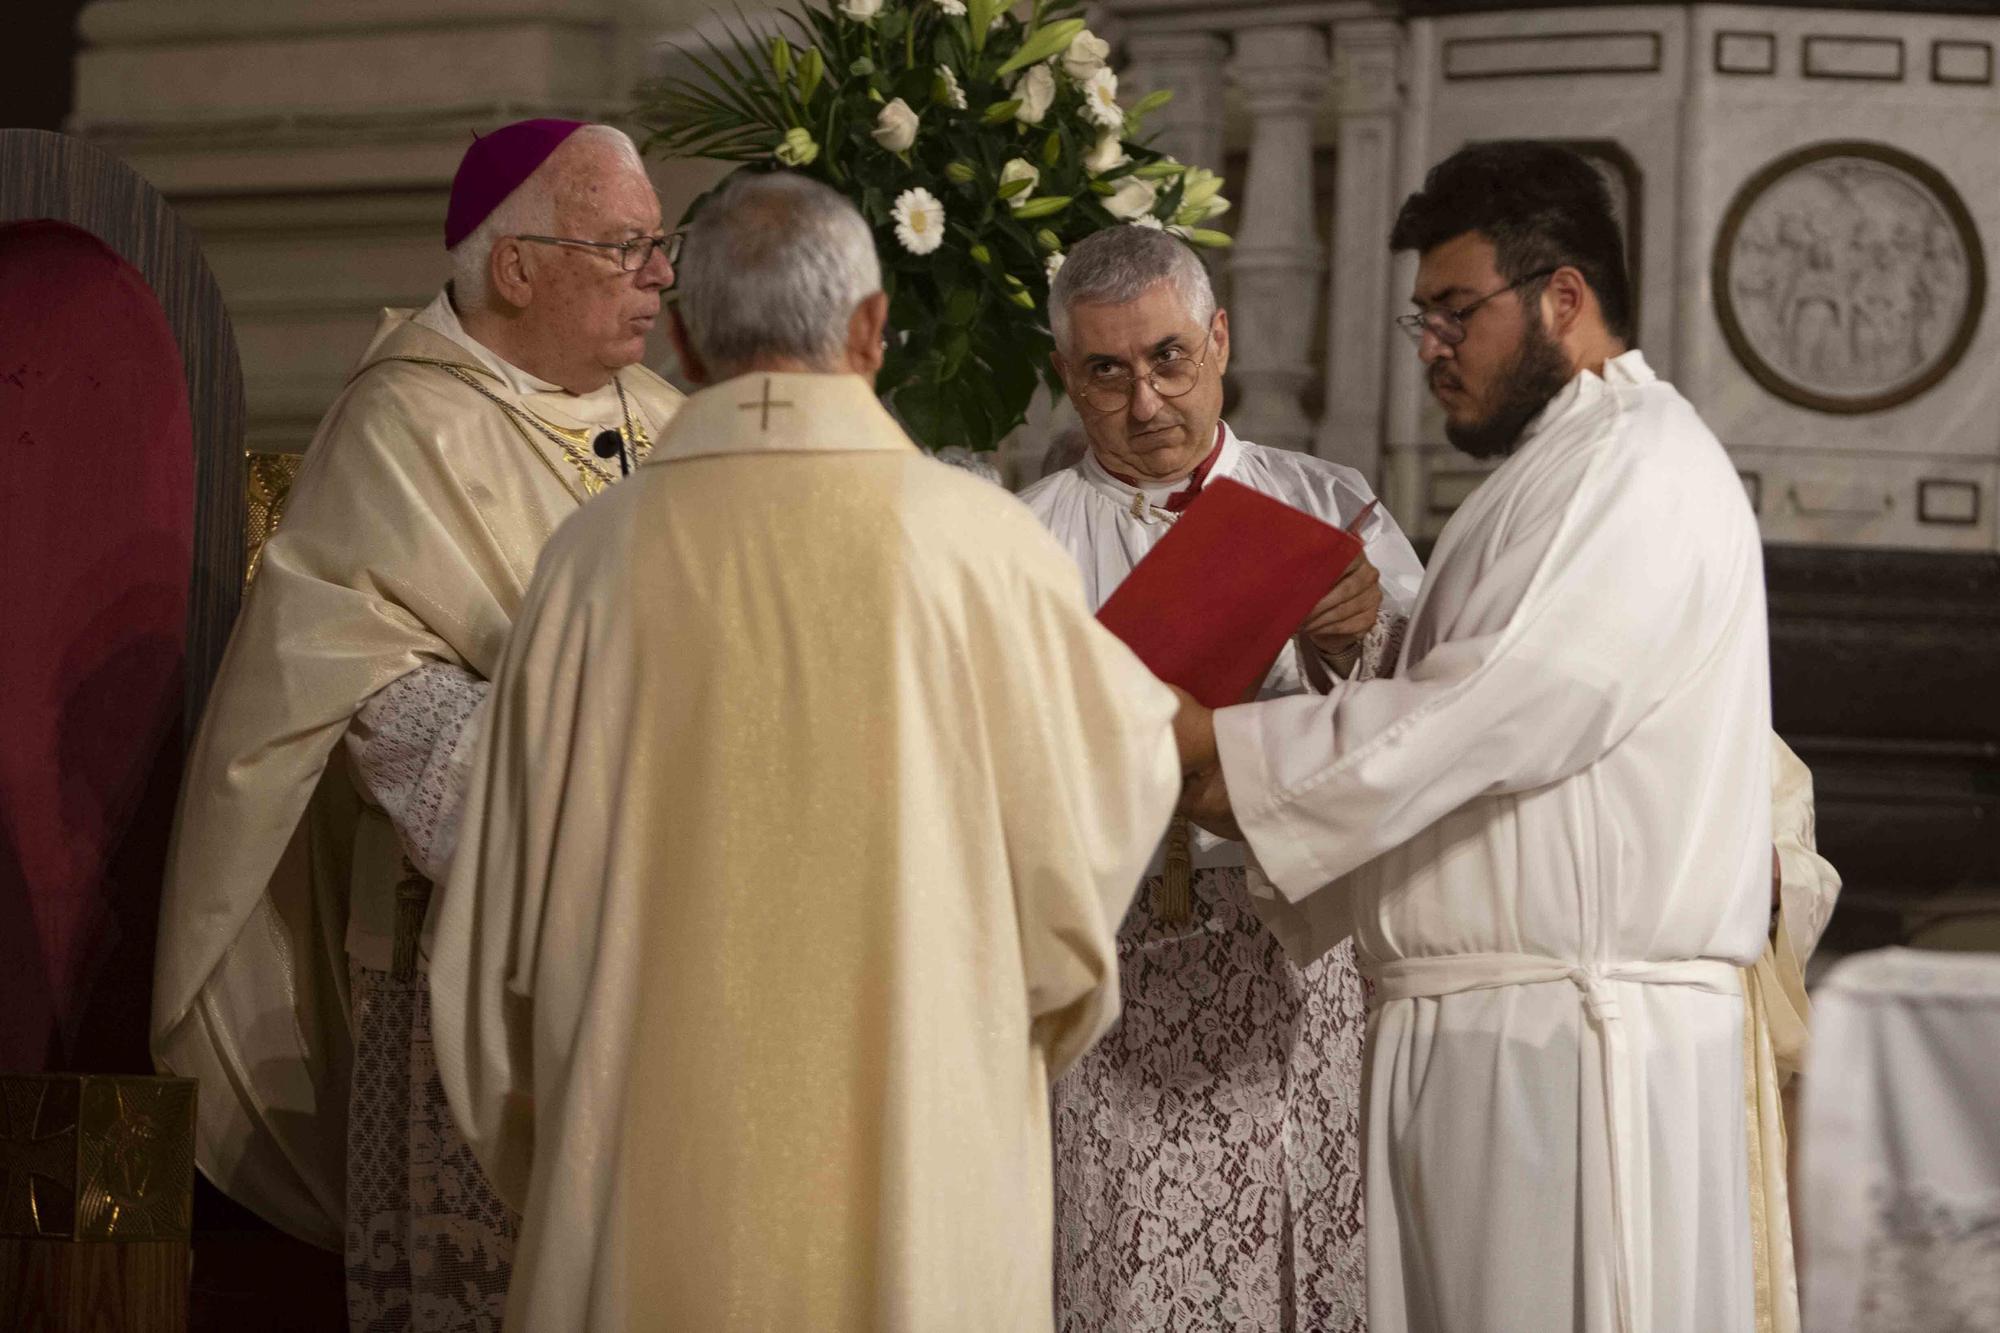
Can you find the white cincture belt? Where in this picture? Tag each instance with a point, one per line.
(1452, 974)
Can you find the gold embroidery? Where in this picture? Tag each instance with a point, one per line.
(592, 473)
(1173, 901)
(267, 485)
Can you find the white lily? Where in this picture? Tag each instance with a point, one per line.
(1020, 169)
(895, 126)
(1133, 200)
(1036, 92)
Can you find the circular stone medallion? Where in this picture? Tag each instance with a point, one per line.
(1848, 277)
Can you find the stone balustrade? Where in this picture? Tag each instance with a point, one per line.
(1284, 82)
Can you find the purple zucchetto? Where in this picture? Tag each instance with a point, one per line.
(494, 168)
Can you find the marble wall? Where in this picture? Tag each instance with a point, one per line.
(1843, 365)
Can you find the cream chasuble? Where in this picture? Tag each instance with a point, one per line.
(1550, 835)
(811, 799)
(409, 537)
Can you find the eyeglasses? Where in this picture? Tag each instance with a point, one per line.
(633, 255)
(1110, 388)
(1448, 326)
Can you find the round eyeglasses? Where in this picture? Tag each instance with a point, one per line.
(1110, 388)
(633, 255)
(1448, 326)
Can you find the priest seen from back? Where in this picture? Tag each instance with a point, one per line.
(787, 882)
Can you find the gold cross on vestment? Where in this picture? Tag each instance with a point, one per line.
(766, 403)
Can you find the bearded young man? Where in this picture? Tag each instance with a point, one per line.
(322, 793)
(1208, 1169)
(1550, 832)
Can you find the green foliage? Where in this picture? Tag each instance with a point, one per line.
(970, 336)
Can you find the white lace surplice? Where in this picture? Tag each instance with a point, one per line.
(1208, 1173)
(429, 1245)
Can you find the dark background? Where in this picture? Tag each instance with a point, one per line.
(38, 63)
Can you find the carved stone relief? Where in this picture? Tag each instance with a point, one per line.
(1848, 277)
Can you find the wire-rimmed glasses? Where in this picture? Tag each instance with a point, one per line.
(633, 255)
(1110, 388)
(1448, 326)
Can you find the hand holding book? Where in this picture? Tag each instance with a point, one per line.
(1212, 605)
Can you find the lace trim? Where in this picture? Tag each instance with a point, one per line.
(429, 1245)
(411, 744)
(1208, 1165)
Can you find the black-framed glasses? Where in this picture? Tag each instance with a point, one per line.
(1448, 326)
(633, 255)
(1113, 388)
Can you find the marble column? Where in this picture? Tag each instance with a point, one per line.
(1403, 480)
(1190, 63)
(1281, 74)
(1359, 303)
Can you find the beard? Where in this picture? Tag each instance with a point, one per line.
(1538, 374)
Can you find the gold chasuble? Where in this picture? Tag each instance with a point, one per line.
(411, 533)
(812, 798)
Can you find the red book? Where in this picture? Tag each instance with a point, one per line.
(1211, 606)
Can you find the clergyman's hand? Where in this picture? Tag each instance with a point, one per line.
(1194, 732)
(1348, 610)
(1205, 802)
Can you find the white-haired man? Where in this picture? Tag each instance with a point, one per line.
(1207, 1151)
(322, 792)
(786, 880)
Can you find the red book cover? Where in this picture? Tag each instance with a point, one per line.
(1210, 607)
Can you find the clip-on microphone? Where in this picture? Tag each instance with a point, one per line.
(609, 442)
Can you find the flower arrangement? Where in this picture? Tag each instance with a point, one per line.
(980, 143)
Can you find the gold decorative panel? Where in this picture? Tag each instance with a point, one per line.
(96, 1157)
(267, 484)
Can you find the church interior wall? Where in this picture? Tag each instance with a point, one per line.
(1880, 524)
(312, 148)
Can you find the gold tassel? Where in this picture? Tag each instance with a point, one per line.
(1173, 901)
(413, 901)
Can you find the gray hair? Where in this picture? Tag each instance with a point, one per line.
(774, 266)
(530, 209)
(1117, 265)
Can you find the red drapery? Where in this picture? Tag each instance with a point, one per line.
(96, 540)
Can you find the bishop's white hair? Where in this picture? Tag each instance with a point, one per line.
(774, 266)
(1117, 265)
(530, 209)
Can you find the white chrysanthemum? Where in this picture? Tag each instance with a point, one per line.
(1100, 100)
(1148, 220)
(919, 221)
(1053, 264)
(955, 8)
(1133, 200)
(953, 92)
